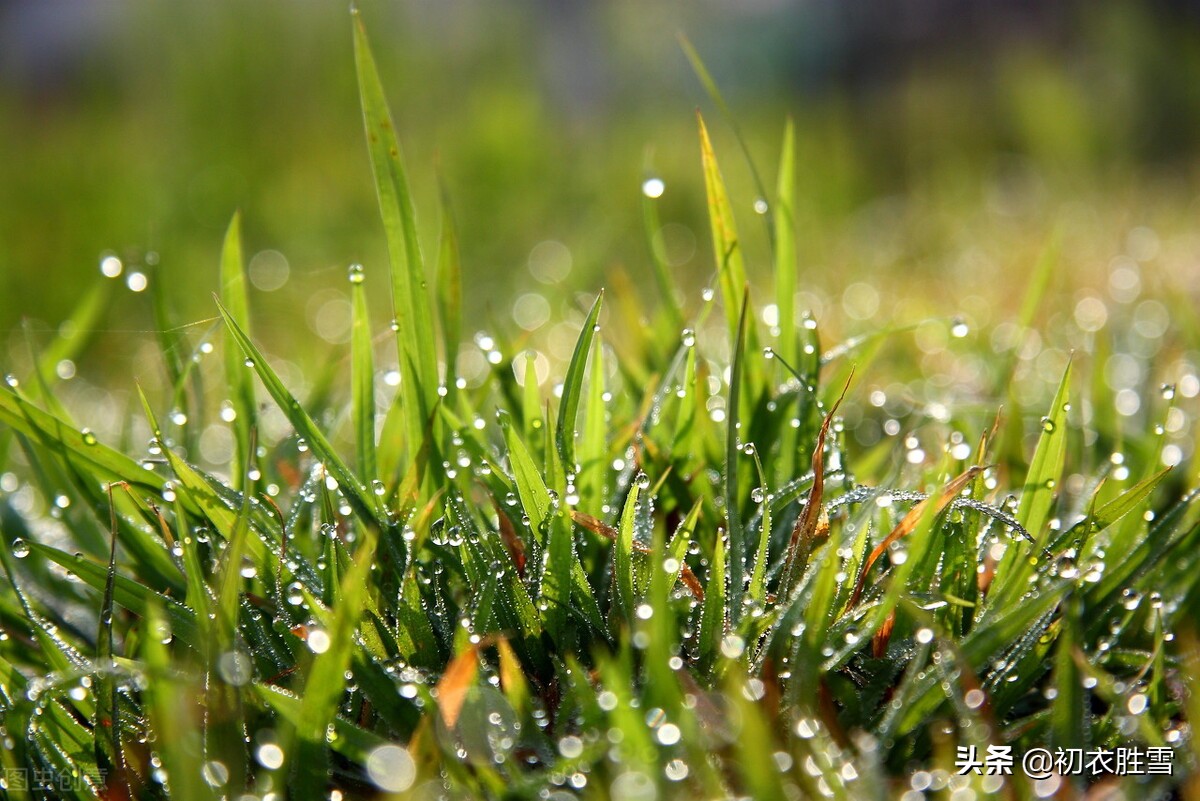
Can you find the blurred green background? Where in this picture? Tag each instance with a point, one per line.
(939, 145)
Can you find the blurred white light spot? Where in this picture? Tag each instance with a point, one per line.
(318, 641)
(110, 266)
(1124, 280)
(391, 768)
(550, 261)
(330, 316)
(216, 445)
(531, 311)
(269, 270)
(270, 756)
(136, 281)
(1143, 243)
(1091, 314)
(770, 315)
(653, 187)
(860, 300)
(1127, 402)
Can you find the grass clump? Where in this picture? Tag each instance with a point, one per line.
(694, 587)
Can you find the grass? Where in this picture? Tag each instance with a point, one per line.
(676, 575)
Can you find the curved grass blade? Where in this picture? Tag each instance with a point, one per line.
(568, 409)
(360, 498)
(714, 93)
(130, 594)
(805, 531)
(908, 524)
(79, 448)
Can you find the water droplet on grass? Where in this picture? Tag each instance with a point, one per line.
(355, 273)
(653, 188)
(20, 548)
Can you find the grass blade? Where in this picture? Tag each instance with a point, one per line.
(737, 540)
(713, 613)
(449, 292)
(710, 86)
(785, 247)
(568, 409)
(731, 272)
(326, 680)
(1037, 497)
(414, 336)
(362, 379)
(623, 566)
(238, 382)
(356, 492)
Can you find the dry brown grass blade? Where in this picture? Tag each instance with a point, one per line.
(883, 636)
(455, 683)
(809, 520)
(909, 522)
(609, 533)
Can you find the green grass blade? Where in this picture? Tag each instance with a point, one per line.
(568, 409)
(535, 498)
(1037, 498)
(238, 382)
(109, 753)
(727, 248)
(449, 292)
(714, 93)
(593, 446)
(623, 565)
(362, 379)
(1067, 712)
(326, 681)
(737, 540)
(130, 594)
(79, 448)
(714, 610)
(363, 501)
(415, 336)
(785, 246)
